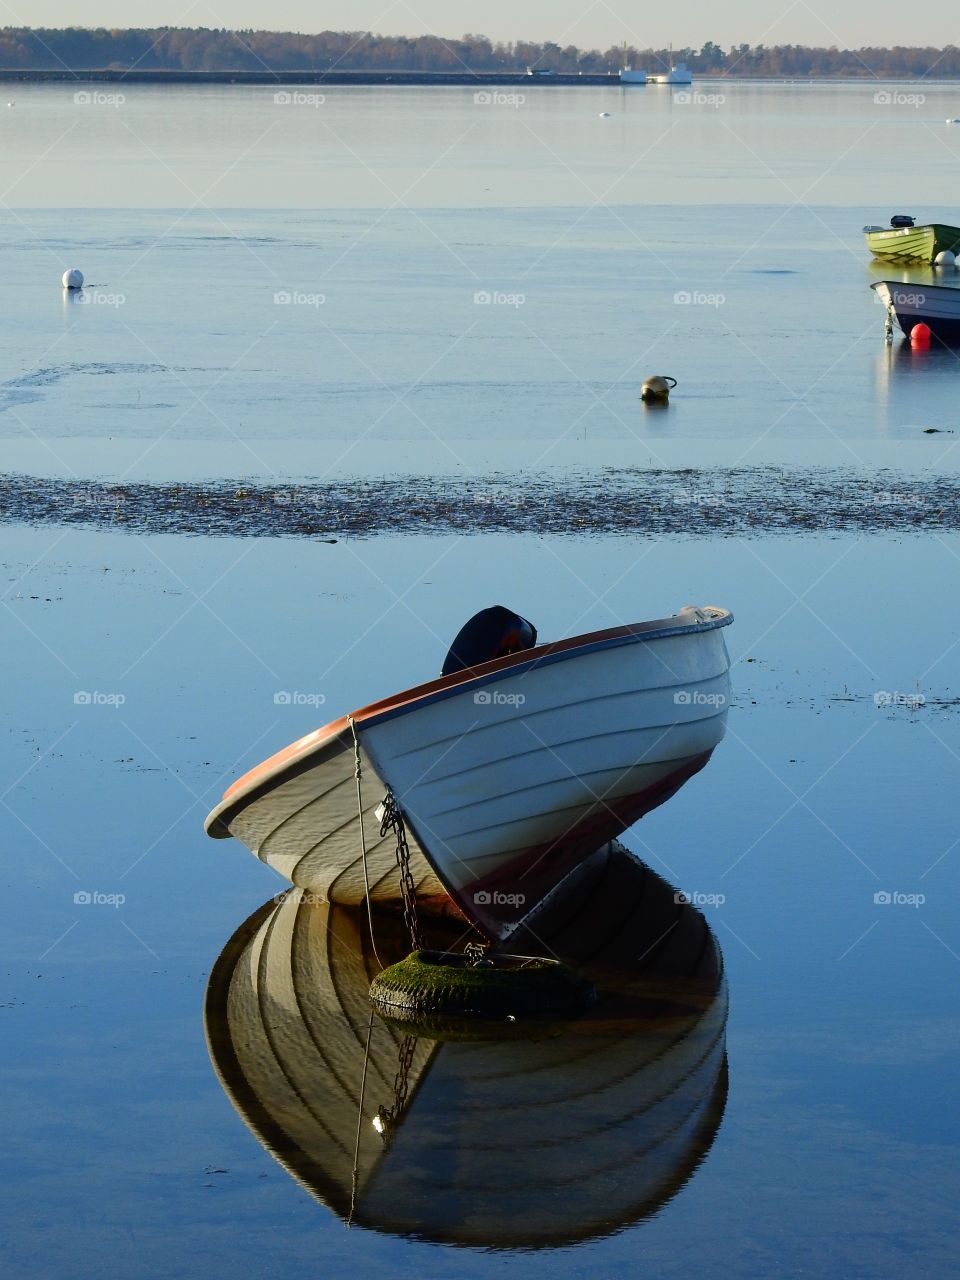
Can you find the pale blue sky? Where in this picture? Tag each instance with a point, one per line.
(848, 23)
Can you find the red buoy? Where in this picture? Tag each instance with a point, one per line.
(920, 335)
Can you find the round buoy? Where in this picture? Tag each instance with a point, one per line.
(920, 335)
(656, 389)
(73, 278)
(432, 983)
(945, 258)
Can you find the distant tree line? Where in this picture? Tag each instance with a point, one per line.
(202, 49)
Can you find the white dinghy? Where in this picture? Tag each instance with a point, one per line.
(508, 772)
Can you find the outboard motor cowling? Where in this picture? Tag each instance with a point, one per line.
(901, 220)
(491, 633)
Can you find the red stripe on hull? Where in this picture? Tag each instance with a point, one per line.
(499, 901)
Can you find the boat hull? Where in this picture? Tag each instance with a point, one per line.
(508, 775)
(913, 244)
(507, 796)
(937, 306)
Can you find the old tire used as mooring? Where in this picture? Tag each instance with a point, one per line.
(429, 983)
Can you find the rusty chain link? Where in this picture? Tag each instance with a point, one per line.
(392, 820)
(388, 1116)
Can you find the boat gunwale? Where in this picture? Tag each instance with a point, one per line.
(934, 290)
(256, 781)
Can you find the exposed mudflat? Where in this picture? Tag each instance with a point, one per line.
(616, 501)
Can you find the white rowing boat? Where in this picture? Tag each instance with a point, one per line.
(935, 305)
(508, 773)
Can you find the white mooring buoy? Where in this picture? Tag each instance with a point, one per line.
(945, 258)
(73, 278)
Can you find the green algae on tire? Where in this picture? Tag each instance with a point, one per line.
(432, 983)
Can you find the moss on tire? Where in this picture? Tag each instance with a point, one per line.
(435, 983)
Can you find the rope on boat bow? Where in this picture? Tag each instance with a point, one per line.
(391, 819)
(357, 773)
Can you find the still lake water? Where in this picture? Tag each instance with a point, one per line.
(381, 214)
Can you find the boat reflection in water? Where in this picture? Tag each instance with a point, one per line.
(916, 386)
(534, 1136)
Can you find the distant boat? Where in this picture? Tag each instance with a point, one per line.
(509, 770)
(678, 74)
(627, 74)
(904, 241)
(935, 305)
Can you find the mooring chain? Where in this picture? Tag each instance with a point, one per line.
(476, 954)
(388, 1116)
(391, 819)
(401, 1086)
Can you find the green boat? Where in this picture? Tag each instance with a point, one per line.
(904, 242)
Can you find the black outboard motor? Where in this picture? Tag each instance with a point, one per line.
(901, 220)
(491, 633)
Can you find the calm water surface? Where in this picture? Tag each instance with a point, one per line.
(811, 1129)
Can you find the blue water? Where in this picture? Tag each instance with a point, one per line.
(837, 1154)
(844, 1019)
(188, 354)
